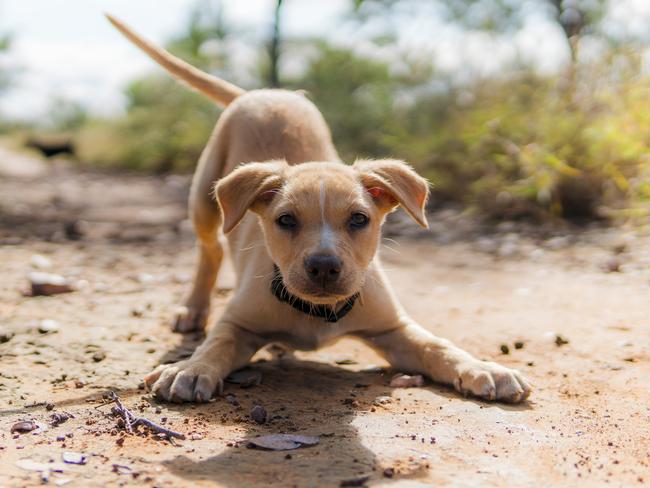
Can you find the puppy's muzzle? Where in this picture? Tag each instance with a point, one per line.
(323, 269)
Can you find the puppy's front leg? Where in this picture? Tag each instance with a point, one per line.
(412, 348)
(227, 348)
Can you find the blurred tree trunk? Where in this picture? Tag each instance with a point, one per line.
(274, 48)
(572, 19)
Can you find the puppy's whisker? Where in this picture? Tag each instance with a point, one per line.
(266, 275)
(254, 245)
(386, 246)
(391, 240)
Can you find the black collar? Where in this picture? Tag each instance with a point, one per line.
(323, 311)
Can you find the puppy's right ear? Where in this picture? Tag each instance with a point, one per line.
(248, 185)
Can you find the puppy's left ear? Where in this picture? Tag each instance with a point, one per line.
(247, 186)
(391, 182)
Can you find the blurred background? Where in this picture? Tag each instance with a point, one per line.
(514, 109)
(531, 118)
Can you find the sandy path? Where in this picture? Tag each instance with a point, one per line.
(586, 424)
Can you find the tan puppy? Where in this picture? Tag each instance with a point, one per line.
(304, 230)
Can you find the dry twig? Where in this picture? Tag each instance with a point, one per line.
(130, 421)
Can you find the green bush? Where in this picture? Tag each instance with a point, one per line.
(165, 128)
(530, 146)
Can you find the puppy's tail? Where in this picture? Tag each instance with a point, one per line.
(215, 88)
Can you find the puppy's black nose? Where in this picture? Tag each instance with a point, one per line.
(323, 268)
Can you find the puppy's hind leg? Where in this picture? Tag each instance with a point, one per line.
(206, 217)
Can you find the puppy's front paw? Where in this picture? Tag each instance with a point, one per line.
(190, 319)
(185, 381)
(491, 381)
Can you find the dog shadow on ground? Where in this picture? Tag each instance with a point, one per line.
(301, 397)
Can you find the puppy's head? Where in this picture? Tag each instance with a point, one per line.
(322, 221)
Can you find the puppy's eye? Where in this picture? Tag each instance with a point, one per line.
(358, 220)
(287, 221)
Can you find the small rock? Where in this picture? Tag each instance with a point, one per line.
(405, 381)
(99, 356)
(258, 414)
(230, 398)
(389, 473)
(75, 230)
(504, 349)
(70, 457)
(137, 312)
(24, 426)
(519, 345)
(6, 337)
(383, 400)
(59, 418)
(283, 442)
(46, 284)
(48, 326)
(560, 341)
(196, 437)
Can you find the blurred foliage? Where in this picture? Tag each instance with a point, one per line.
(518, 144)
(166, 125)
(357, 96)
(520, 147)
(164, 129)
(576, 18)
(66, 115)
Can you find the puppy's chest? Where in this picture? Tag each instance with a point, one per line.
(308, 334)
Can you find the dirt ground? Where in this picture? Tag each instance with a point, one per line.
(125, 242)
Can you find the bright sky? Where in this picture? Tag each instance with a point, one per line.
(65, 48)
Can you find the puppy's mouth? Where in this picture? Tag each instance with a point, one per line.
(318, 296)
(328, 294)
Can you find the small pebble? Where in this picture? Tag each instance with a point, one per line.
(560, 341)
(382, 400)
(48, 326)
(99, 356)
(258, 414)
(6, 337)
(24, 426)
(70, 457)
